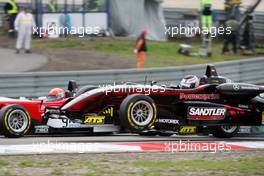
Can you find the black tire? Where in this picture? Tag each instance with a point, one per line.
(132, 103)
(221, 132)
(18, 114)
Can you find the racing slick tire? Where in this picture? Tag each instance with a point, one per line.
(225, 131)
(137, 113)
(15, 121)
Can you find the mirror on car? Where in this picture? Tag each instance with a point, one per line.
(153, 83)
(72, 86)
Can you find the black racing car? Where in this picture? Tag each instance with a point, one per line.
(212, 103)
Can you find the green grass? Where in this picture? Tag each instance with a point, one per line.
(57, 172)
(38, 164)
(160, 54)
(244, 166)
(241, 166)
(6, 174)
(3, 163)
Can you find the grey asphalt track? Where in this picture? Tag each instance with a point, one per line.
(77, 138)
(12, 62)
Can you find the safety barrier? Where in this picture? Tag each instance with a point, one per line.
(39, 83)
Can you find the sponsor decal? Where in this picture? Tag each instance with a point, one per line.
(69, 124)
(74, 125)
(109, 111)
(188, 130)
(215, 81)
(94, 119)
(184, 96)
(169, 121)
(42, 129)
(206, 113)
(236, 87)
(245, 130)
(243, 106)
(249, 88)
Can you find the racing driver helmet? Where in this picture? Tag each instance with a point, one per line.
(189, 82)
(56, 94)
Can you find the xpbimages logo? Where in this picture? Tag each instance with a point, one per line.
(174, 31)
(187, 146)
(52, 29)
(131, 88)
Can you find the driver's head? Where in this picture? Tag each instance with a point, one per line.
(189, 82)
(56, 94)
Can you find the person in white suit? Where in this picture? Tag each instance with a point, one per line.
(24, 24)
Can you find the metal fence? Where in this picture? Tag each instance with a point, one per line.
(81, 13)
(39, 83)
(259, 25)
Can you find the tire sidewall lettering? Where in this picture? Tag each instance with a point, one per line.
(29, 122)
(155, 115)
(6, 121)
(129, 115)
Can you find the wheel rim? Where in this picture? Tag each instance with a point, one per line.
(229, 128)
(18, 121)
(142, 113)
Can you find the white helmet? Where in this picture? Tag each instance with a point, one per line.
(189, 82)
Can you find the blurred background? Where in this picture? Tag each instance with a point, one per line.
(121, 22)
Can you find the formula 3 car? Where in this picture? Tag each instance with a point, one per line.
(215, 104)
(19, 116)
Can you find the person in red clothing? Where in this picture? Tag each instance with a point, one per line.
(141, 48)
